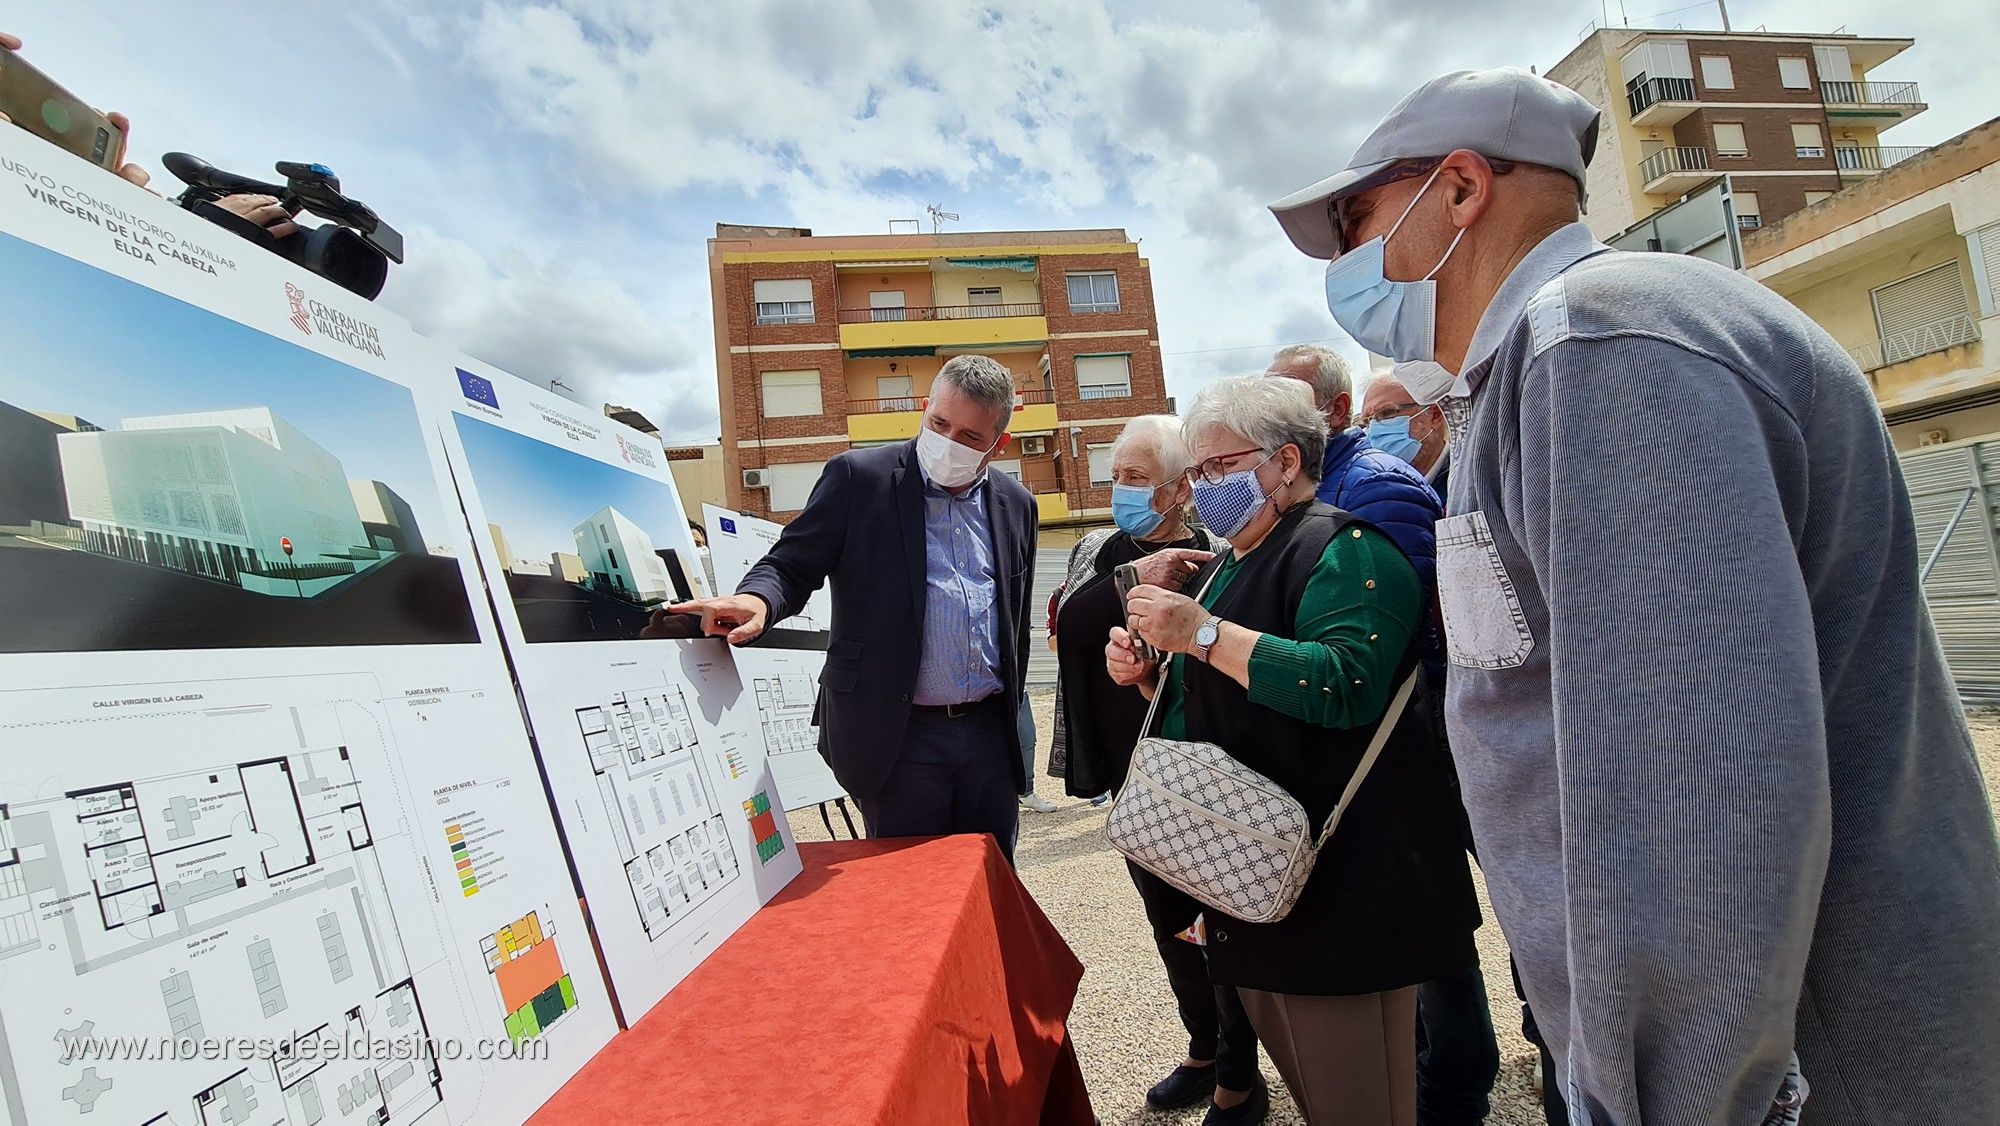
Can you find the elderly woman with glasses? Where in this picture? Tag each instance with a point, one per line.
(1097, 724)
(1302, 632)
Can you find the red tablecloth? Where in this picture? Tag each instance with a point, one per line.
(895, 981)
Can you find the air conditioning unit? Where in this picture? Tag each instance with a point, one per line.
(756, 478)
(1934, 438)
(1034, 447)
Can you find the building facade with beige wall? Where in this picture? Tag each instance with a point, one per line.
(830, 343)
(1789, 118)
(1902, 272)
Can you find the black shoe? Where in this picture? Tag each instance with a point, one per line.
(1249, 1112)
(1183, 1086)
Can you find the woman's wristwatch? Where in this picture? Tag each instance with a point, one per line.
(1205, 636)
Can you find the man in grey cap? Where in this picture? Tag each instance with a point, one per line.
(1719, 777)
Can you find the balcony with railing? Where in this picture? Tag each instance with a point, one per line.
(896, 418)
(1675, 169)
(1660, 101)
(1872, 103)
(1937, 336)
(942, 325)
(902, 313)
(1871, 158)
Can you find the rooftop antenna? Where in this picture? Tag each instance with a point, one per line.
(906, 226)
(559, 385)
(939, 217)
(1723, 7)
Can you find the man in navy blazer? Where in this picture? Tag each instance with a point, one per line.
(931, 558)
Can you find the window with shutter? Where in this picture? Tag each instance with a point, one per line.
(1100, 465)
(1806, 140)
(1749, 215)
(1729, 140)
(1093, 293)
(1104, 377)
(792, 485)
(1793, 75)
(1922, 314)
(790, 394)
(783, 301)
(1716, 73)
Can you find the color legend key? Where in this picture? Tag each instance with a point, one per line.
(461, 858)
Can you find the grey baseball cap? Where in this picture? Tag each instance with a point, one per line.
(1508, 114)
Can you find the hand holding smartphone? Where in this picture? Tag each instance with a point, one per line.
(1126, 576)
(36, 103)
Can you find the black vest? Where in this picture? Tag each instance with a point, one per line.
(1390, 901)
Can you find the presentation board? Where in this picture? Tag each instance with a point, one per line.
(737, 541)
(273, 846)
(783, 671)
(653, 749)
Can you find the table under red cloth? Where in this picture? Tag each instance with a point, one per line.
(895, 981)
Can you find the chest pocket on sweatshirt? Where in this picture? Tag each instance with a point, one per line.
(1483, 624)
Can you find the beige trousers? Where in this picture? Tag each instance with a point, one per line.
(1350, 1061)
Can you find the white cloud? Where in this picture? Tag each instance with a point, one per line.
(547, 322)
(571, 155)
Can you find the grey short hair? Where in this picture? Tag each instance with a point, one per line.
(1160, 436)
(982, 379)
(1330, 379)
(1273, 413)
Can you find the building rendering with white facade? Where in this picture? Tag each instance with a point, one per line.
(620, 557)
(217, 494)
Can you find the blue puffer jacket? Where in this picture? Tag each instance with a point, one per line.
(1386, 492)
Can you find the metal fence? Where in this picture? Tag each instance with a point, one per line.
(1952, 493)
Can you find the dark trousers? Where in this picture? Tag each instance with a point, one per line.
(956, 776)
(1213, 1014)
(1457, 1057)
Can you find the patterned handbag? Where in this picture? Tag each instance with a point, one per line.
(1220, 831)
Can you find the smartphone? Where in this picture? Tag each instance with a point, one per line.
(1126, 576)
(55, 115)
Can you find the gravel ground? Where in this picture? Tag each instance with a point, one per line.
(1124, 1024)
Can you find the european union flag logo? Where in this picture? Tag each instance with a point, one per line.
(728, 525)
(477, 389)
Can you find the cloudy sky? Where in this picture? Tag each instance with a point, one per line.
(558, 164)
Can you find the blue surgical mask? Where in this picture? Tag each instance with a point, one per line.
(1132, 509)
(1226, 506)
(1389, 318)
(1392, 437)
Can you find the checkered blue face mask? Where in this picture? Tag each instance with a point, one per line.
(1226, 506)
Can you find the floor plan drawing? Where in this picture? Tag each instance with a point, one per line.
(785, 709)
(785, 686)
(659, 801)
(239, 900)
(527, 970)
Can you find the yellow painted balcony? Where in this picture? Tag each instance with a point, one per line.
(895, 420)
(942, 326)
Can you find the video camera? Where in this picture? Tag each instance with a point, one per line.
(353, 252)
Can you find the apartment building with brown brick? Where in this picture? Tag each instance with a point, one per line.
(830, 343)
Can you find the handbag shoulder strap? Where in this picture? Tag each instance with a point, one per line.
(1160, 686)
(1375, 745)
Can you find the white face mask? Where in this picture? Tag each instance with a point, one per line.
(948, 464)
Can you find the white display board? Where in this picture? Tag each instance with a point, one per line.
(273, 846)
(652, 748)
(736, 542)
(784, 671)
